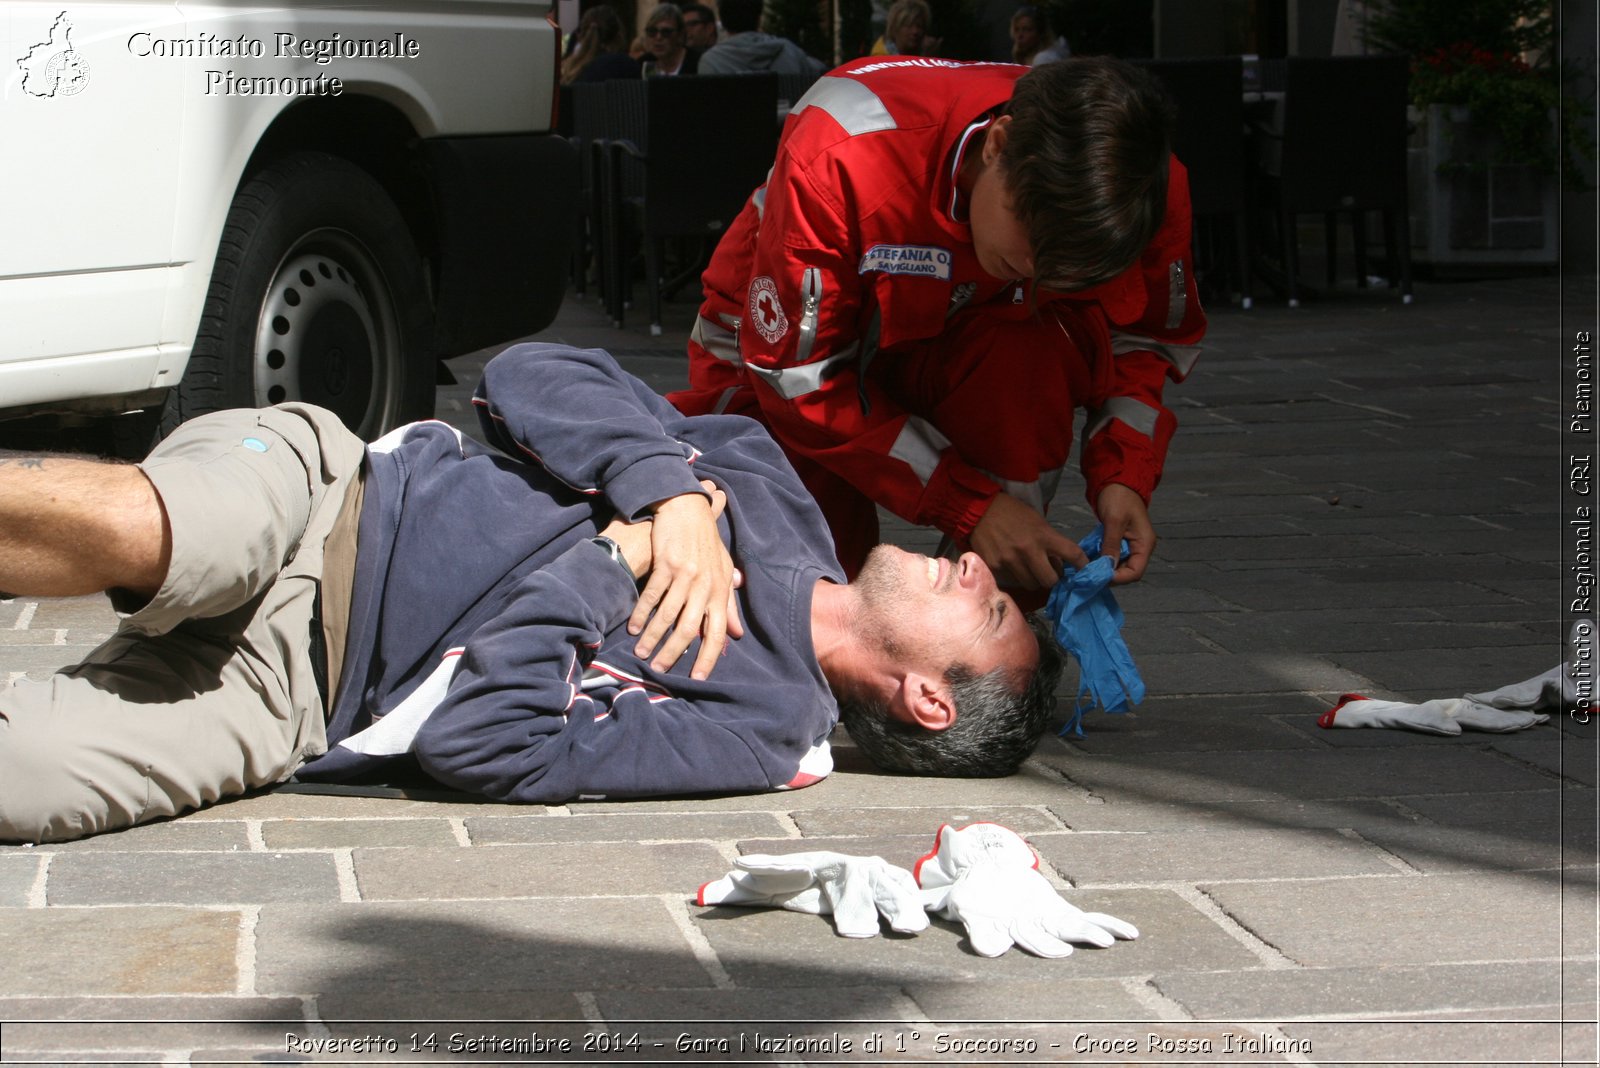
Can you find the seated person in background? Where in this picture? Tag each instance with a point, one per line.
(747, 50)
(906, 31)
(666, 53)
(699, 27)
(945, 261)
(1032, 40)
(536, 624)
(599, 49)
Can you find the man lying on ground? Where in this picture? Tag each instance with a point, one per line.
(536, 624)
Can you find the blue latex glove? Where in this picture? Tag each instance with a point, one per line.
(1089, 626)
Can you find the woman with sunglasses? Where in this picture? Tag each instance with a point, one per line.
(666, 51)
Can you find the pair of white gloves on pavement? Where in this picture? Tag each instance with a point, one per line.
(1510, 708)
(983, 875)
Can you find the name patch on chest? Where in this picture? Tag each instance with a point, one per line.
(925, 260)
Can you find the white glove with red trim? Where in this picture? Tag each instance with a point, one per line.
(853, 889)
(1447, 715)
(987, 877)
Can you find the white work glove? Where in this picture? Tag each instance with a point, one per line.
(1549, 690)
(853, 889)
(1475, 716)
(1447, 715)
(985, 876)
(1354, 710)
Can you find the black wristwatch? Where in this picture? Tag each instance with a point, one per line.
(613, 550)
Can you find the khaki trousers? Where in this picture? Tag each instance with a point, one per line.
(206, 691)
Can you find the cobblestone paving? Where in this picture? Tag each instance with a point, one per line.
(1362, 497)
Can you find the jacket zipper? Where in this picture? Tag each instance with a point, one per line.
(1177, 296)
(811, 292)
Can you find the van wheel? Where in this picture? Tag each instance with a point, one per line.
(318, 295)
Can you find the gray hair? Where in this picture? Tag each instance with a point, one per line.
(665, 11)
(998, 722)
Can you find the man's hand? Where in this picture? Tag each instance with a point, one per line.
(1125, 517)
(634, 541)
(1022, 548)
(690, 584)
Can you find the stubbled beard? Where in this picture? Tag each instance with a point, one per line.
(882, 588)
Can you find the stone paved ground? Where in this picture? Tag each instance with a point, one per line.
(1363, 497)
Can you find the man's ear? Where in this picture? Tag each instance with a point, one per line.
(924, 701)
(994, 139)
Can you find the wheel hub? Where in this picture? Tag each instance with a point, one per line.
(319, 338)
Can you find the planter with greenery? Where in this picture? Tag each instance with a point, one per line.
(1494, 131)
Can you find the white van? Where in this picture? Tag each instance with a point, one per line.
(218, 204)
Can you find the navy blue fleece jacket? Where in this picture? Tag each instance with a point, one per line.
(487, 632)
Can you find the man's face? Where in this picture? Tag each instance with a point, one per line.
(998, 237)
(663, 39)
(930, 614)
(699, 31)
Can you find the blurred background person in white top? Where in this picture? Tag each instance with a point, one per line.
(1032, 40)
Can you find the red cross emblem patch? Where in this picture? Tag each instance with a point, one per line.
(766, 314)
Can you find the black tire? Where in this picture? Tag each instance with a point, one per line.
(318, 295)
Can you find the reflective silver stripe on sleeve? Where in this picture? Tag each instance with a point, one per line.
(919, 446)
(1036, 494)
(720, 342)
(1177, 295)
(852, 105)
(724, 398)
(1180, 356)
(759, 197)
(1134, 413)
(792, 382)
